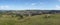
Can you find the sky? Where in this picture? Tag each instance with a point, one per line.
(29, 4)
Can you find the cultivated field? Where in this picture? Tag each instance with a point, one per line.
(54, 19)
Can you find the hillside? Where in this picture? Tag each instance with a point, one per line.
(33, 20)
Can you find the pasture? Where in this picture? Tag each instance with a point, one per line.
(33, 20)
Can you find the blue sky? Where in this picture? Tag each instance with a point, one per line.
(29, 4)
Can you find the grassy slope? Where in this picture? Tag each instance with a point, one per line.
(34, 20)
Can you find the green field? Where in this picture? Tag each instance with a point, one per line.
(33, 20)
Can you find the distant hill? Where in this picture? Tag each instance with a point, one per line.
(30, 11)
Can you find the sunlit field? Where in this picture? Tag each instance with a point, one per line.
(54, 19)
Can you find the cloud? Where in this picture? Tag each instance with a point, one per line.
(4, 7)
(33, 4)
(41, 3)
(57, 7)
(59, 0)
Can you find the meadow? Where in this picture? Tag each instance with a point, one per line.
(54, 19)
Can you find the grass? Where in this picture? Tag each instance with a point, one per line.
(34, 20)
